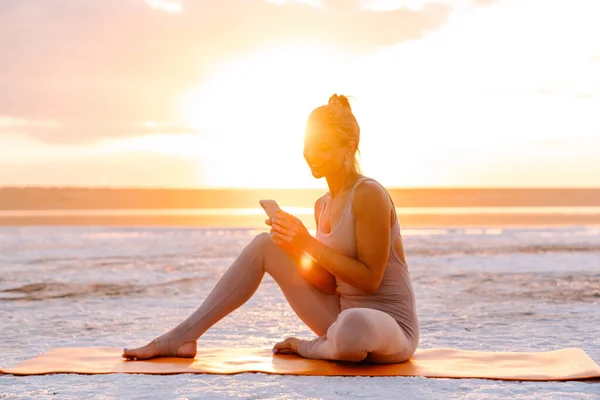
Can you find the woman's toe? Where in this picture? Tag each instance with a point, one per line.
(141, 353)
(288, 345)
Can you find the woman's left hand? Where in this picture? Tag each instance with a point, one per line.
(287, 230)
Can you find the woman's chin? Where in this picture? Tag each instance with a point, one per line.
(317, 174)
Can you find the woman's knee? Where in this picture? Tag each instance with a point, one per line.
(368, 334)
(355, 319)
(352, 335)
(262, 240)
(271, 254)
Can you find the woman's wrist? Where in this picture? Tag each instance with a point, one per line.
(314, 249)
(320, 254)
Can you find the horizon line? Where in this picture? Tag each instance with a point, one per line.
(78, 187)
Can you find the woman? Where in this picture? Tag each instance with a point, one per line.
(350, 284)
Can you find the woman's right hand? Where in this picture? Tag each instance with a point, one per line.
(318, 277)
(285, 246)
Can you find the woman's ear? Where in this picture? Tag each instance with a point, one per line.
(351, 147)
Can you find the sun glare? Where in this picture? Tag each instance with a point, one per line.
(306, 262)
(253, 111)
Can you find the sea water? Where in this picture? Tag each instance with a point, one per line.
(494, 289)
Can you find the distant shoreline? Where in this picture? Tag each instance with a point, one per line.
(48, 198)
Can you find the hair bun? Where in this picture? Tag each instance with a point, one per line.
(341, 101)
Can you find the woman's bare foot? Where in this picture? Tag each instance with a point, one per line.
(154, 349)
(288, 346)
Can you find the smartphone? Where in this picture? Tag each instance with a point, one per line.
(270, 207)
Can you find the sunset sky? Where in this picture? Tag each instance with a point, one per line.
(158, 93)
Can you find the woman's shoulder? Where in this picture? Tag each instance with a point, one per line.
(369, 192)
(369, 186)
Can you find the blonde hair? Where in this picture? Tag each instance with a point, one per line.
(337, 115)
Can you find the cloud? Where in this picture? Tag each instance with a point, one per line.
(390, 5)
(583, 96)
(310, 3)
(38, 128)
(143, 169)
(72, 130)
(15, 123)
(564, 93)
(98, 67)
(171, 7)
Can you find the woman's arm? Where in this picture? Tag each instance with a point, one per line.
(309, 269)
(312, 271)
(371, 207)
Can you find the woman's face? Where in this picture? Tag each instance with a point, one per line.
(323, 151)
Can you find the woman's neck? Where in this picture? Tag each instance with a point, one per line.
(341, 181)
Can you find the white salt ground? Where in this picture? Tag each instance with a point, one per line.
(486, 289)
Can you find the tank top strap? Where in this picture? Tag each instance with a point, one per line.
(348, 207)
(358, 182)
(366, 178)
(350, 197)
(323, 205)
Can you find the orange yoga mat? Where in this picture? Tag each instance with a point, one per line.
(558, 365)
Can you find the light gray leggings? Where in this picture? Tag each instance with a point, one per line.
(353, 335)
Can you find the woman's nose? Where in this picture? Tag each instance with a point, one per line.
(309, 157)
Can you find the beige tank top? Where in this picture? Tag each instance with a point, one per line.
(395, 295)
